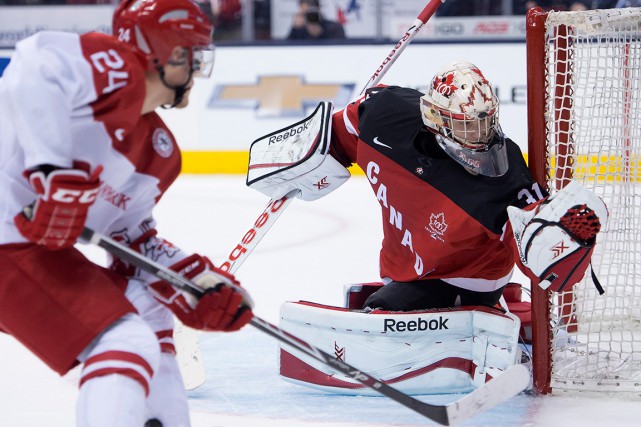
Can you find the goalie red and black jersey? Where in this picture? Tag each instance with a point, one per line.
(439, 221)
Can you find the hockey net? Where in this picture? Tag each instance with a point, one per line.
(584, 121)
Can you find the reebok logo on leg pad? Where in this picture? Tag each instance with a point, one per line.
(393, 325)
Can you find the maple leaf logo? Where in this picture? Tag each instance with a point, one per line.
(437, 226)
(445, 85)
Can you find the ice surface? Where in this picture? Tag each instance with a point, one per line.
(310, 253)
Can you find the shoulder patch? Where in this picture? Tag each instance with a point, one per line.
(163, 143)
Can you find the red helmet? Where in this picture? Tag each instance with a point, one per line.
(155, 27)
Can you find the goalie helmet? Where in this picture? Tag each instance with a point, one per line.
(461, 109)
(153, 28)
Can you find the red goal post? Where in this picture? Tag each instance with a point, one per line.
(584, 123)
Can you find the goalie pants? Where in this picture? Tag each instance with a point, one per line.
(427, 294)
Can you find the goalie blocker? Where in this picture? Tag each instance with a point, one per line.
(420, 352)
(297, 158)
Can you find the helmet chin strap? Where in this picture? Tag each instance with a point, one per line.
(179, 90)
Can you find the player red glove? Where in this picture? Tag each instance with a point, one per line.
(221, 308)
(56, 218)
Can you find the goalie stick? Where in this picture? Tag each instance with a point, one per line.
(409, 35)
(192, 362)
(258, 230)
(188, 352)
(511, 382)
(242, 250)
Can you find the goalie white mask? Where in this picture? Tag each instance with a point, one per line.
(461, 108)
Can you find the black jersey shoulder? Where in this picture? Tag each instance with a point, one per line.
(390, 116)
(390, 122)
(484, 198)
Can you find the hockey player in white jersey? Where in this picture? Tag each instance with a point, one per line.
(81, 146)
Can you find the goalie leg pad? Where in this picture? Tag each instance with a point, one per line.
(418, 352)
(513, 294)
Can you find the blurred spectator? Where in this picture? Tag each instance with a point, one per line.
(225, 15)
(471, 8)
(30, 2)
(579, 5)
(521, 7)
(263, 19)
(611, 4)
(92, 2)
(310, 24)
(54, 2)
(207, 7)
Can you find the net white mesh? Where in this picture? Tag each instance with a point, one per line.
(593, 120)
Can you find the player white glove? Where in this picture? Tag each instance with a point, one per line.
(556, 240)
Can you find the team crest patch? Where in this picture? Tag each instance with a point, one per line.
(162, 143)
(437, 226)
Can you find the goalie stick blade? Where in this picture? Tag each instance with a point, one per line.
(513, 381)
(189, 356)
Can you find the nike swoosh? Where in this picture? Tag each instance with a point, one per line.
(377, 142)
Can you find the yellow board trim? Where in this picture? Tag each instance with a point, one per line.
(228, 162)
(606, 168)
(224, 162)
(587, 168)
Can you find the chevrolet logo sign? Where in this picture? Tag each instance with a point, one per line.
(279, 95)
(3, 64)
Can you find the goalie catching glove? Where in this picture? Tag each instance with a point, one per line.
(556, 239)
(221, 308)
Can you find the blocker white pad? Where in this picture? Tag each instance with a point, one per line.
(297, 158)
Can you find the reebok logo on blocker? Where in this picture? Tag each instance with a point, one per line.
(289, 133)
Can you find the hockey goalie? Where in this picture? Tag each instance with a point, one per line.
(459, 211)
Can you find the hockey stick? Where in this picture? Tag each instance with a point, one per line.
(508, 384)
(275, 207)
(129, 255)
(250, 239)
(409, 35)
(188, 352)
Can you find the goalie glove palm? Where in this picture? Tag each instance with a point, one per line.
(556, 240)
(221, 308)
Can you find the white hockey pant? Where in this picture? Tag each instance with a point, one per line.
(148, 384)
(118, 367)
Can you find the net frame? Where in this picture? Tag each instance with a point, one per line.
(584, 123)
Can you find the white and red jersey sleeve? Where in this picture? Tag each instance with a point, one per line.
(54, 80)
(345, 131)
(67, 97)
